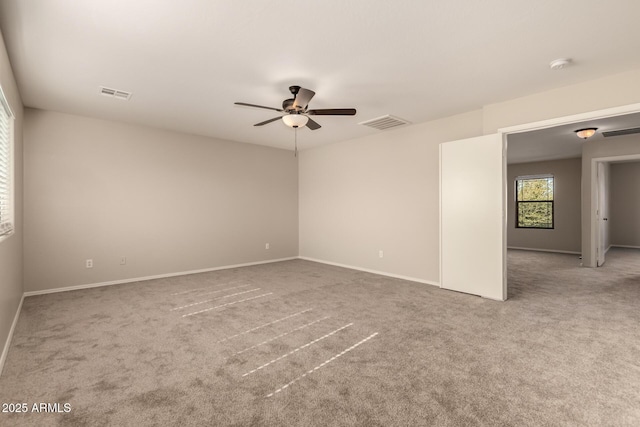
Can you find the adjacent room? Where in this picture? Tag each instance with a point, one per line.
(335, 214)
(545, 180)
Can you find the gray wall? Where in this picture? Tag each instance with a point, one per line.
(624, 216)
(378, 193)
(11, 247)
(565, 236)
(168, 202)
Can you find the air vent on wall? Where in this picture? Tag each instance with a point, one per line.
(115, 93)
(384, 122)
(621, 132)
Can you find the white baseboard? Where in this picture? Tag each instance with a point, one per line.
(545, 250)
(7, 344)
(158, 276)
(624, 246)
(381, 273)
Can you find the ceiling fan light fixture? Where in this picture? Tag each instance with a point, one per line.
(295, 120)
(586, 132)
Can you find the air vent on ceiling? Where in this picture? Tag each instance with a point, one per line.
(384, 122)
(115, 93)
(621, 132)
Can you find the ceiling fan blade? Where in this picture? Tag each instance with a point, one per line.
(313, 125)
(333, 112)
(257, 106)
(266, 122)
(303, 97)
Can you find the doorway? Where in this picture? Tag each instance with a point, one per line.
(458, 212)
(617, 222)
(590, 222)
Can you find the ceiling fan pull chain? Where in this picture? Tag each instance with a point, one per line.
(295, 153)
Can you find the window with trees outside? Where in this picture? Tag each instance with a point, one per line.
(534, 201)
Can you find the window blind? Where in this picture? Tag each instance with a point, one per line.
(6, 171)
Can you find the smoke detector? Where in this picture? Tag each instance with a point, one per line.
(559, 64)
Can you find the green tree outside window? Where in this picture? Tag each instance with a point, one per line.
(534, 202)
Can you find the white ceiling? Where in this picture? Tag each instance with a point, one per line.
(187, 61)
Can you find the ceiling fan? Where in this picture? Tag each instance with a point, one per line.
(297, 112)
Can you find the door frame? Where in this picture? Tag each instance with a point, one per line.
(601, 209)
(575, 118)
(596, 224)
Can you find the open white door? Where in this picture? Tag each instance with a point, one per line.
(472, 227)
(601, 214)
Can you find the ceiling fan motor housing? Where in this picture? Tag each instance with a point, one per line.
(287, 105)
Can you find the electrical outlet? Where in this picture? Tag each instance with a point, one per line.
(89, 263)
(381, 254)
(266, 246)
(123, 260)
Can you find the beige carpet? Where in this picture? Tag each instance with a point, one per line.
(304, 344)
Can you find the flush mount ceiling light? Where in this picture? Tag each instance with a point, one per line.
(559, 64)
(295, 120)
(586, 132)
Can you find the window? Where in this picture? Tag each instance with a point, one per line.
(534, 201)
(6, 171)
